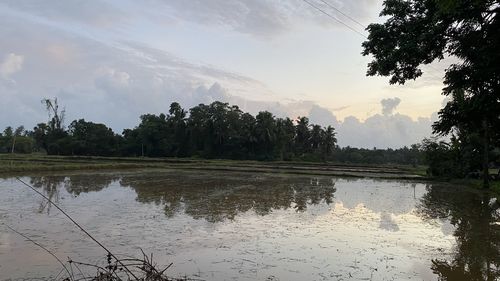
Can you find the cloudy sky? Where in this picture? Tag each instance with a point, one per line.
(111, 60)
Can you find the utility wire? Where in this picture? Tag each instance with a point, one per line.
(351, 28)
(344, 14)
(334, 18)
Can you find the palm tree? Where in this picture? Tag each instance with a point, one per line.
(329, 141)
(302, 140)
(265, 131)
(316, 137)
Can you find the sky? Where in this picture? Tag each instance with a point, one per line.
(110, 61)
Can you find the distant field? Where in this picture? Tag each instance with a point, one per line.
(24, 164)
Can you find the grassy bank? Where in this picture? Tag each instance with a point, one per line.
(21, 164)
(478, 184)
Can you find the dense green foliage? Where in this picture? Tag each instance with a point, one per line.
(18, 141)
(222, 131)
(418, 32)
(413, 155)
(217, 130)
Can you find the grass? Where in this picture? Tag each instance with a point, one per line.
(495, 187)
(478, 184)
(19, 164)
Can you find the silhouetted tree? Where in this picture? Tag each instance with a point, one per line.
(153, 135)
(285, 134)
(317, 135)
(265, 132)
(418, 32)
(217, 130)
(51, 135)
(328, 141)
(179, 145)
(303, 136)
(88, 138)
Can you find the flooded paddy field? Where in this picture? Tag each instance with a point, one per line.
(22, 164)
(220, 225)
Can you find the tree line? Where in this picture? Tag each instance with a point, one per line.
(217, 130)
(220, 130)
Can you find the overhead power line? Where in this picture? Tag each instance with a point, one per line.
(344, 14)
(350, 27)
(335, 19)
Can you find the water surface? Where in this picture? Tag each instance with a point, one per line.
(244, 226)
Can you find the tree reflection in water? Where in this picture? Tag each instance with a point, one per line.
(475, 216)
(217, 197)
(50, 187)
(74, 185)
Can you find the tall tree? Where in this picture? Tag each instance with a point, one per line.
(179, 145)
(285, 134)
(418, 32)
(218, 127)
(50, 135)
(198, 128)
(265, 131)
(153, 135)
(317, 134)
(17, 133)
(234, 146)
(8, 132)
(247, 134)
(303, 137)
(56, 116)
(329, 141)
(88, 138)
(40, 133)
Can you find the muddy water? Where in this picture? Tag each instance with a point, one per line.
(242, 226)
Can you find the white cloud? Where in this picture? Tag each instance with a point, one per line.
(263, 17)
(383, 131)
(116, 82)
(110, 79)
(389, 105)
(322, 116)
(99, 13)
(11, 64)
(110, 83)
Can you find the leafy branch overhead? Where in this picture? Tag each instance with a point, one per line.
(417, 33)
